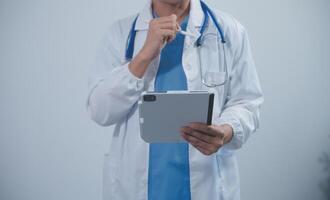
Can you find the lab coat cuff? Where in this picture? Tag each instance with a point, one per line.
(236, 140)
(138, 83)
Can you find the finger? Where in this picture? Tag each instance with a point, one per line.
(156, 23)
(169, 25)
(199, 135)
(201, 149)
(166, 40)
(215, 142)
(171, 39)
(207, 129)
(167, 34)
(171, 18)
(195, 141)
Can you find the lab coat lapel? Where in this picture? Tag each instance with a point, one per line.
(194, 23)
(144, 15)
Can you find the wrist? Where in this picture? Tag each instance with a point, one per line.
(144, 55)
(228, 132)
(139, 64)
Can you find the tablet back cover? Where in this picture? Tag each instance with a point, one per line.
(163, 114)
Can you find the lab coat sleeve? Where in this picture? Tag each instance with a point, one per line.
(112, 88)
(241, 110)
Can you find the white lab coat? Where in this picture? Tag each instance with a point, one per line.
(114, 92)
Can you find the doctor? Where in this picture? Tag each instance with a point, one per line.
(146, 51)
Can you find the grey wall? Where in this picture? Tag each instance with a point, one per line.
(50, 149)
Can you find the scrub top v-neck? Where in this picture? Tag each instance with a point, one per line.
(168, 174)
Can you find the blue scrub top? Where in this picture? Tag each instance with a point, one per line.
(168, 175)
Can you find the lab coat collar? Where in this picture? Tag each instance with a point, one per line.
(195, 21)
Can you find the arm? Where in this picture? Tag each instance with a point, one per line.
(240, 116)
(113, 88)
(241, 110)
(116, 85)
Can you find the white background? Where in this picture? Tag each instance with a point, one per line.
(51, 150)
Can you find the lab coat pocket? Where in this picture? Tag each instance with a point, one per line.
(218, 103)
(108, 177)
(211, 57)
(214, 79)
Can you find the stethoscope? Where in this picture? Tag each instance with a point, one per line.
(210, 80)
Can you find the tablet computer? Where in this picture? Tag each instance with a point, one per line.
(162, 114)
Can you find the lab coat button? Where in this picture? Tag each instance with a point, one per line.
(139, 85)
